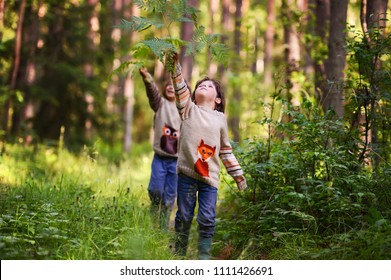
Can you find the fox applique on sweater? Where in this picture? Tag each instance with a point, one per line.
(205, 153)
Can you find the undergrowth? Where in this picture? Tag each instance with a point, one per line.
(56, 205)
(309, 196)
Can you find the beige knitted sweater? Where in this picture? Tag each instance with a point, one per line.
(204, 139)
(166, 121)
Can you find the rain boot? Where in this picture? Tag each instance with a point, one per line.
(165, 214)
(204, 247)
(181, 243)
(154, 212)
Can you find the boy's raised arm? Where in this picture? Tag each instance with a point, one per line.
(151, 89)
(182, 92)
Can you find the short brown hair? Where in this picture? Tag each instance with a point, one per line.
(220, 93)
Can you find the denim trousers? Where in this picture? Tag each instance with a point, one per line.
(163, 184)
(186, 201)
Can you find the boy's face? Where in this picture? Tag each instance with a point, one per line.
(205, 92)
(169, 92)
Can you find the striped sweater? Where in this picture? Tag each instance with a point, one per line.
(166, 121)
(204, 139)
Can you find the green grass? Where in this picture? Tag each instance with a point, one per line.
(57, 205)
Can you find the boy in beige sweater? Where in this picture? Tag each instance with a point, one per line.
(204, 142)
(162, 188)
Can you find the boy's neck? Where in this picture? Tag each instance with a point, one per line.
(209, 105)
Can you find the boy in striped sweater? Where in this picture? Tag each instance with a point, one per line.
(162, 186)
(204, 139)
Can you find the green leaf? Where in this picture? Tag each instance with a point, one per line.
(159, 47)
(155, 6)
(220, 52)
(139, 24)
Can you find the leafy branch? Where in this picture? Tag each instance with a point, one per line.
(162, 14)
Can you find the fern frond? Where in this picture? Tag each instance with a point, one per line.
(127, 67)
(177, 42)
(192, 48)
(201, 40)
(159, 47)
(153, 6)
(219, 52)
(185, 12)
(200, 36)
(170, 11)
(139, 24)
(140, 51)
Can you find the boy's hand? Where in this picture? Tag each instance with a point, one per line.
(241, 182)
(145, 74)
(172, 60)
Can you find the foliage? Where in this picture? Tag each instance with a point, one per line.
(309, 196)
(164, 14)
(368, 91)
(62, 206)
(320, 186)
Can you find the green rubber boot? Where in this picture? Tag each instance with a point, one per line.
(165, 214)
(181, 243)
(204, 248)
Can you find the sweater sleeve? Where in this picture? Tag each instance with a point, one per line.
(152, 93)
(229, 160)
(182, 92)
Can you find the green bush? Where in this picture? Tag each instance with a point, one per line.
(306, 192)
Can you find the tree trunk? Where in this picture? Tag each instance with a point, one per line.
(269, 42)
(214, 9)
(292, 51)
(234, 118)
(89, 64)
(322, 15)
(113, 90)
(335, 65)
(376, 13)
(49, 118)
(372, 16)
(15, 70)
(28, 74)
(187, 31)
(129, 94)
(226, 24)
(1, 19)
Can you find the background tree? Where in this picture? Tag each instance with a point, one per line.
(187, 32)
(15, 70)
(318, 51)
(332, 93)
(233, 117)
(370, 94)
(1, 18)
(291, 21)
(269, 42)
(67, 76)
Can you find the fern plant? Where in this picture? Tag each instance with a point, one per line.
(163, 14)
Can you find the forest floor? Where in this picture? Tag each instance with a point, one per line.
(57, 205)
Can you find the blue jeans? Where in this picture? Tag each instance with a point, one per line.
(163, 184)
(186, 202)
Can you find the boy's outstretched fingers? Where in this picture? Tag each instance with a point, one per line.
(172, 59)
(145, 74)
(241, 183)
(143, 71)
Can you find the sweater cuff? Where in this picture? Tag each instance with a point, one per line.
(148, 79)
(241, 182)
(178, 71)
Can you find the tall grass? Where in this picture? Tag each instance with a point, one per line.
(58, 205)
